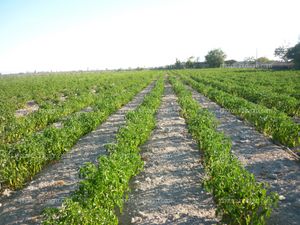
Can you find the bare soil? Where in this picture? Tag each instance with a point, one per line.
(30, 107)
(296, 119)
(58, 180)
(169, 190)
(269, 162)
(87, 109)
(63, 98)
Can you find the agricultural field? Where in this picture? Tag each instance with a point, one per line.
(208, 146)
(42, 117)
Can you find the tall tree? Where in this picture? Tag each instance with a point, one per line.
(178, 64)
(263, 60)
(215, 58)
(190, 62)
(294, 55)
(250, 60)
(280, 52)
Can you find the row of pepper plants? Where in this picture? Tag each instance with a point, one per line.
(255, 94)
(20, 161)
(45, 90)
(280, 127)
(104, 188)
(81, 91)
(280, 82)
(240, 199)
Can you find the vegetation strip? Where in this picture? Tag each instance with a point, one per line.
(239, 198)
(103, 189)
(65, 95)
(285, 83)
(20, 162)
(56, 95)
(168, 191)
(267, 161)
(50, 112)
(258, 95)
(269, 121)
(58, 180)
(281, 82)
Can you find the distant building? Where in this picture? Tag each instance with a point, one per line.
(271, 65)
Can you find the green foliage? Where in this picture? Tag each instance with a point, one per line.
(263, 60)
(269, 121)
(21, 160)
(104, 188)
(215, 58)
(178, 64)
(294, 54)
(254, 93)
(250, 60)
(281, 53)
(240, 199)
(190, 62)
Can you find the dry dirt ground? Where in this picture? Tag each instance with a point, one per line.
(58, 180)
(269, 162)
(169, 190)
(30, 107)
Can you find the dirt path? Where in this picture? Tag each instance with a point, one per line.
(267, 161)
(58, 180)
(296, 119)
(168, 191)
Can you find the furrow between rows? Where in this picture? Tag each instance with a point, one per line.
(169, 190)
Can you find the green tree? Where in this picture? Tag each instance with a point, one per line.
(263, 60)
(250, 60)
(281, 52)
(178, 64)
(190, 62)
(294, 55)
(215, 58)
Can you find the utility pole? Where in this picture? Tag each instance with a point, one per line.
(256, 59)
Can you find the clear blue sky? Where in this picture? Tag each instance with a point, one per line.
(46, 35)
(23, 20)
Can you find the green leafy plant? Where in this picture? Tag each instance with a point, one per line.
(106, 184)
(269, 121)
(22, 160)
(239, 198)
